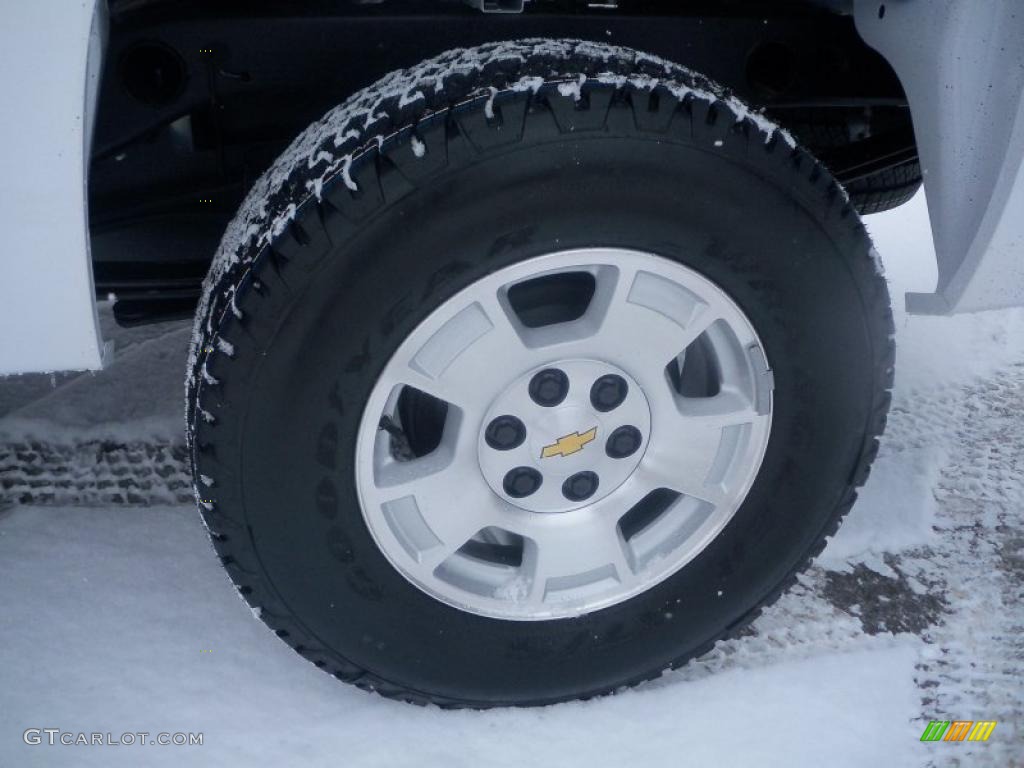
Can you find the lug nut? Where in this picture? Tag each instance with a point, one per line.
(580, 486)
(505, 433)
(608, 392)
(549, 387)
(623, 442)
(521, 481)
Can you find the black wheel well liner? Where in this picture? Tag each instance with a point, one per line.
(197, 100)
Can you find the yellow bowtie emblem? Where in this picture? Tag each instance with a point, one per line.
(569, 444)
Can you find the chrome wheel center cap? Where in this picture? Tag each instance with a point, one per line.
(564, 435)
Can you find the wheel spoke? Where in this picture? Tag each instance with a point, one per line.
(642, 321)
(573, 554)
(449, 506)
(457, 363)
(686, 436)
(683, 472)
(726, 409)
(663, 316)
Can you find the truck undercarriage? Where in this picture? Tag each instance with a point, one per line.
(197, 99)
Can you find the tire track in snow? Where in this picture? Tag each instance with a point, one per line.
(94, 472)
(973, 664)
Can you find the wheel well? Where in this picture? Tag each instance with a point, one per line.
(197, 99)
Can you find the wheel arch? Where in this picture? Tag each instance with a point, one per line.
(963, 71)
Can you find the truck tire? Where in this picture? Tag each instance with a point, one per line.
(531, 372)
(886, 189)
(880, 191)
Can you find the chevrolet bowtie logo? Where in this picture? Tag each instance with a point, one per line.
(569, 444)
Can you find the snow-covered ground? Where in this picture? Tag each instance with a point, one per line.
(114, 616)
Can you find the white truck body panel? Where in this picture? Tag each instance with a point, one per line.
(962, 67)
(48, 82)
